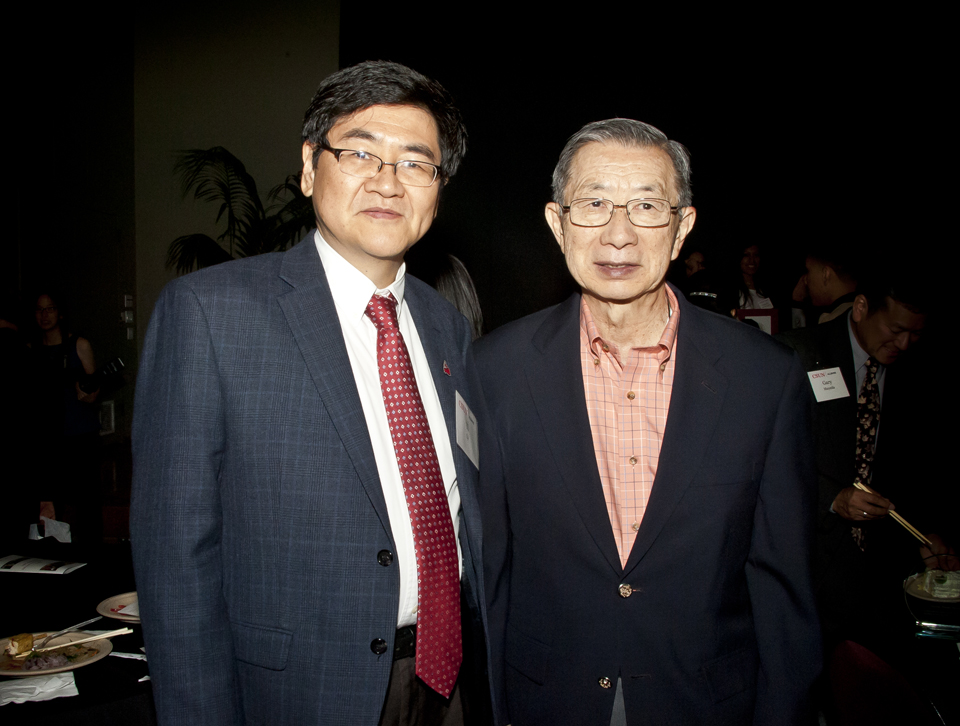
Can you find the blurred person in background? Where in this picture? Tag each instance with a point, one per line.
(64, 396)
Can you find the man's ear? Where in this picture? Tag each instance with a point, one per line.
(306, 178)
(683, 229)
(860, 309)
(554, 216)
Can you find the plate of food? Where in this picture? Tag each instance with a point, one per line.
(17, 658)
(121, 607)
(934, 585)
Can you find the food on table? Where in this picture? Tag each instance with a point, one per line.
(941, 584)
(63, 656)
(19, 644)
(45, 661)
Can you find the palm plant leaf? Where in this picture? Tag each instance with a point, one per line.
(195, 250)
(294, 216)
(215, 175)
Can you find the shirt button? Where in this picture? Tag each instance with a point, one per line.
(596, 361)
(385, 557)
(633, 460)
(605, 682)
(605, 347)
(631, 395)
(625, 590)
(635, 526)
(663, 367)
(379, 646)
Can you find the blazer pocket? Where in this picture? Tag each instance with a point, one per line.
(731, 674)
(718, 474)
(527, 655)
(261, 646)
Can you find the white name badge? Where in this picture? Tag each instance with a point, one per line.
(828, 384)
(467, 436)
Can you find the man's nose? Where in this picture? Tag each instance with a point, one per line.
(619, 231)
(385, 182)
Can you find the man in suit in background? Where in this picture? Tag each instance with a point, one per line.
(296, 444)
(647, 504)
(860, 369)
(829, 282)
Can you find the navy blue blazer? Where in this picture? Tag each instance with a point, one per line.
(258, 518)
(719, 625)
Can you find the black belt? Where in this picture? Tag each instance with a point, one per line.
(405, 646)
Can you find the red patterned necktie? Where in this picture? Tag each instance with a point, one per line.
(439, 644)
(868, 418)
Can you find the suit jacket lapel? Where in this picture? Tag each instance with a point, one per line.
(312, 317)
(834, 350)
(695, 405)
(443, 354)
(556, 383)
(435, 341)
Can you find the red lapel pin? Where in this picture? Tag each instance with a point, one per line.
(446, 368)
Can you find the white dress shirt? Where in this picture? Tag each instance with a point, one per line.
(351, 291)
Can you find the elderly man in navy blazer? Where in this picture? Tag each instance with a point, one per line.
(305, 522)
(647, 490)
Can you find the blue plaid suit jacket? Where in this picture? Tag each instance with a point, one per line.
(257, 513)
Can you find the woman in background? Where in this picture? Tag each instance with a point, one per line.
(752, 295)
(68, 421)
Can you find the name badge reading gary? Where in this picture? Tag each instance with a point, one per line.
(467, 435)
(828, 384)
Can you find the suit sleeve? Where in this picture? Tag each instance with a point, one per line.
(175, 517)
(778, 567)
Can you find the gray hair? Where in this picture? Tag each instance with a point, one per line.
(630, 133)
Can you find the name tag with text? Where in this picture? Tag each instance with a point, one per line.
(828, 384)
(467, 434)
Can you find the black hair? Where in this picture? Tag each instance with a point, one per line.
(384, 83)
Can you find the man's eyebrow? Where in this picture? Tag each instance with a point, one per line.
(421, 149)
(360, 134)
(599, 186)
(650, 188)
(365, 135)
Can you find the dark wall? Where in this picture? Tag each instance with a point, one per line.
(72, 177)
(798, 125)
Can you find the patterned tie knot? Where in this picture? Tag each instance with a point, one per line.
(382, 310)
(873, 365)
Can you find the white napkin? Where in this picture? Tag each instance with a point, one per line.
(133, 609)
(51, 528)
(37, 688)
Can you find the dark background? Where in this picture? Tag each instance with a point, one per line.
(804, 123)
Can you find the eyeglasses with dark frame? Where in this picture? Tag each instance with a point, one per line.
(363, 164)
(641, 212)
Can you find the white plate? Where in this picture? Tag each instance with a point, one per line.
(10, 666)
(912, 587)
(107, 607)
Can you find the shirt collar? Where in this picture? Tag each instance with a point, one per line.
(350, 288)
(667, 339)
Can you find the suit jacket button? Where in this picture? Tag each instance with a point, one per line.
(625, 590)
(605, 682)
(379, 646)
(385, 557)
